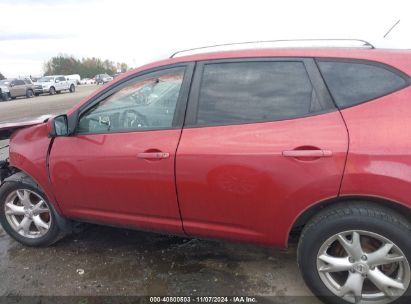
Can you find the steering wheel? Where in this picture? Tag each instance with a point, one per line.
(131, 119)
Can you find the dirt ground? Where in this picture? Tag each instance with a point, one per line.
(105, 261)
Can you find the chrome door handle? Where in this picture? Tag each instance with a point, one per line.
(307, 153)
(153, 155)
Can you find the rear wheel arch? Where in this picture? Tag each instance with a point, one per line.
(308, 214)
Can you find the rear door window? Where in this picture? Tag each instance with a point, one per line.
(255, 91)
(352, 83)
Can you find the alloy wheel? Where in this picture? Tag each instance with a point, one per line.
(28, 213)
(363, 267)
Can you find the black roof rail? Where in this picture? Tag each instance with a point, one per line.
(365, 44)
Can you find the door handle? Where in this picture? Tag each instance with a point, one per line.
(307, 153)
(153, 155)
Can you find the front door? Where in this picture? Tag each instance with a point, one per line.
(262, 142)
(119, 166)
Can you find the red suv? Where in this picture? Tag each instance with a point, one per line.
(258, 146)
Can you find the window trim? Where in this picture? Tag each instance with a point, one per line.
(314, 76)
(179, 112)
(374, 63)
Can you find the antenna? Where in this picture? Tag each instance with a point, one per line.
(392, 27)
(364, 43)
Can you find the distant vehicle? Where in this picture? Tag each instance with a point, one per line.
(75, 77)
(12, 88)
(54, 84)
(87, 81)
(103, 78)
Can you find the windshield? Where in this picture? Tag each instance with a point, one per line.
(45, 79)
(4, 82)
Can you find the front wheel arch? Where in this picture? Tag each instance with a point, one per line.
(304, 217)
(22, 177)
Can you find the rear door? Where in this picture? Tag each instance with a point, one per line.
(262, 142)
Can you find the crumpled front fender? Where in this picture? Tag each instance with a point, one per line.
(29, 150)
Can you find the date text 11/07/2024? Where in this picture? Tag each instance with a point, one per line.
(204, 299)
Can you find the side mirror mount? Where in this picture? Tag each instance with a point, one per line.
(59, 126)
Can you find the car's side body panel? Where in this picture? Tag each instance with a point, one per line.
(234, 181)
(250, 194)
(379, 160)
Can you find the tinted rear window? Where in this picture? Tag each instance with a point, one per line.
(245, 92)
(352, 83)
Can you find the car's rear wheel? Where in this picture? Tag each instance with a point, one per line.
(52, 91)
(72, 88)
(357, 254)
(29, 93)
(27, 216)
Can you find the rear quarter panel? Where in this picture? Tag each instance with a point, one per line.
(379, 159)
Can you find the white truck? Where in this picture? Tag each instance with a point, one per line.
(75, 77)
(54, 84)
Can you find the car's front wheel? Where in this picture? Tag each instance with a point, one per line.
(72, 88)
(357, 253)
(27, 216)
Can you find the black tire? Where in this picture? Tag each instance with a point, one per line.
(29, 93)
(11, 97)
(58, 92)
(37, 94)
(52, 91)
(72, 88)
(361, 216)
(5, 97)
(52, 235)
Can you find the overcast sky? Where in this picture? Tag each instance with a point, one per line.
(139, 31)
